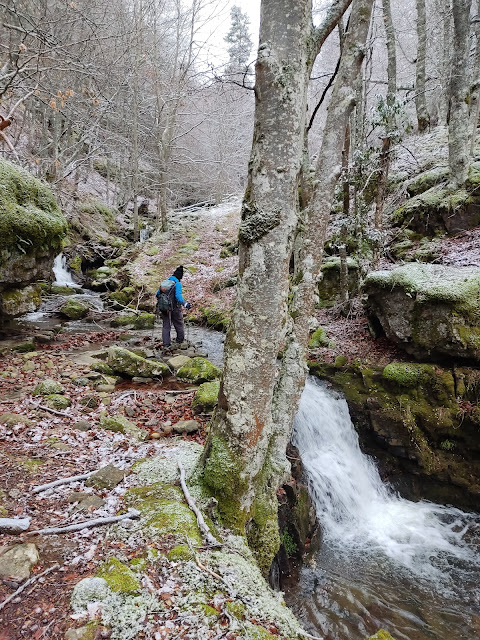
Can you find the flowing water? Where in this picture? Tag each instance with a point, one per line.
(410, 567)
(63, 277)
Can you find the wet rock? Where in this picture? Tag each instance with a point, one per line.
(186, 426)
(106, 478)
(120, 424)
(16, 562)
(198, 370)
(74, 310)
(177, 362)
(125, 362)
(47, 387)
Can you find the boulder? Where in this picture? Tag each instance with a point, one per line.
(177, 362)
(47, 388)
(199, 370)
(127, 363)
(106, 478)
(32, 228)
(57, 401)
(74, 310)
(186, 426)
(329, 286)
(206, 398)
(431, 311)
(16, 562)
(120, 424)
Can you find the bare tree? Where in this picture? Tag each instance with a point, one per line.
(423, 118)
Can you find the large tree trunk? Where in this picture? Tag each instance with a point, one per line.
(459, 95)
(423, 118)
(239, 463)
(475, 87)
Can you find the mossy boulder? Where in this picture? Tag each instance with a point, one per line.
(61, 290)
(32, 227)
(102, 367)
(119, 577)
(74, 310)
(431, 311)
(215, 318)
(123, 297)
(57, 401)
(426, 180)
(381, 635)
(17, 302)
(141, 321)
(127, 363)
(206, 398)
(199, 370)
(47, 387)
(329, 285)
(121, 424)
(319, 339)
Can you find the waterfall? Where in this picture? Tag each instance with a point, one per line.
(63, 277)
(358, 513)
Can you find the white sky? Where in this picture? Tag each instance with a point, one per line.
(218, 24)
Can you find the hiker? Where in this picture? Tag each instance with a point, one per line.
(169, 303)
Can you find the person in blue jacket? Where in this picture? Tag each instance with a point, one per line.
(175, 316)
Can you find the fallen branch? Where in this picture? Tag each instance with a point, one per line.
(210, 539)
(57, 413)
(132, 514)
(14, 525)
(27, 583)
(56, 483)
(181, 391)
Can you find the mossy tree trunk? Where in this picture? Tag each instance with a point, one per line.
(244, 460)
(423, 118)
(459, 95)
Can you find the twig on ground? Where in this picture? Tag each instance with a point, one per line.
(210, 539)
(57, 413)
(179, 392)
(132, 514)
(56, 483)
(27, 583)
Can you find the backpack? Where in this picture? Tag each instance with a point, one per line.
(165, 296)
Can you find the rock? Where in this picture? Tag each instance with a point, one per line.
(47, 387)
(125, 362)
(14, 525)
(106, 478)
(177, 362)
(88, 632)
(29, 366)
(81, 381)
(12, 419)
(329, 286)
(142, 321)
(44, 338)
(199, 370)
(186, 426)
(74, 310)
(16, 562)
(24, 347)
(105, 388)
(139, 380)
(120, 424)
(206, 398)
(90, 400)
(57, 401)
(319, 339)
(102, 367)
(167, 428)
(91, 501)
(82, 425)
(430, 310)
(61, 290)
(60, 446)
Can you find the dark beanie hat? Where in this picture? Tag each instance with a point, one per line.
(178, 273)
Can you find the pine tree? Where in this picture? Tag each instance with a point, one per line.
(239, 40)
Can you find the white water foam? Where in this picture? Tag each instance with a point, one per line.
(63, 277)
(357, 512)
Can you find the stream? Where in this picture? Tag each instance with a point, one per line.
(412, 568)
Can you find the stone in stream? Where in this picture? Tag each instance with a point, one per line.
(198, 370)
(106, 478)
(125, 362)
(16, 562)
(120, 424)
(186, 426)
(74, 310)
(177, 362)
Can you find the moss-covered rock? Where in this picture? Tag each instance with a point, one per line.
(74, 310)
(432, 311)
(57, 401)
(118, 576)
(141, 321)
(120, 424)
(199, 370)
(60, 290)
(102, 367)
(215, 318)
(47, 387)
(32, 227)
(16, 302)
(206, 398)
(123, 297)
(381, 635)
(319, 339)
(127, 363)
(329, 285)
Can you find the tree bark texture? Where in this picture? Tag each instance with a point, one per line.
(423, 118)
(241, 462)
(475, 86)
(458, 128)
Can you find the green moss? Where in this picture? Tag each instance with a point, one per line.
(75, 265)
(207, 610)
(206, 398)
(139, 321)
(288, 543)
(119, 577)
(181, 553)
(198, 370)
(264, 541)
(121, 424)
(25, 347)
(319, 339)
(74, 310)
(102, 367)
(407, 374)
(215, 318)
(381, 635)
(29, 214)
(340, 361)
(94, 208)
(56, 401)
(236, 609)
(47, 387)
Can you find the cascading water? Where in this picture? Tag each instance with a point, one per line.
(378, 549)
(63, 277)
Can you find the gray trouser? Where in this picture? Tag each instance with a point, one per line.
(175, 317)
